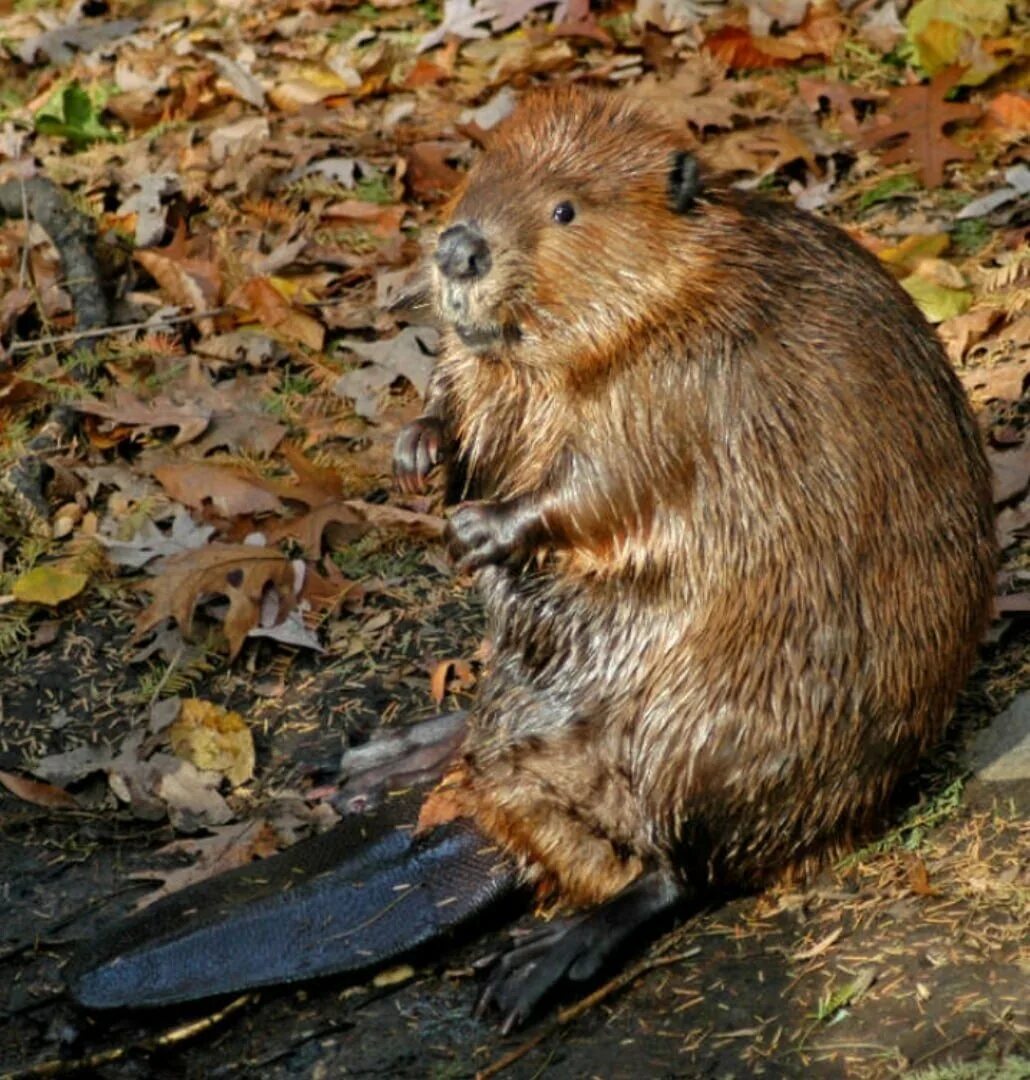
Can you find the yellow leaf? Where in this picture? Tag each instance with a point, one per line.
(292, 289)
(49, 585)
(215, 739)
(905, 256)
(940, 31)
(935, 301)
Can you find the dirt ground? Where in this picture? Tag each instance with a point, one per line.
(914, 953)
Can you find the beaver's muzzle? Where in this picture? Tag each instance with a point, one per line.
(462, 253)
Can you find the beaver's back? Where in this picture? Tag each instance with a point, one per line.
(779, 558)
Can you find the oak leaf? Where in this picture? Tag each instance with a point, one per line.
(229, 491)
(921, 116)
(242, 573)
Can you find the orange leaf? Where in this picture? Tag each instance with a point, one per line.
(264, 303)
(442, 673)
(1010, 110)
(37, 793)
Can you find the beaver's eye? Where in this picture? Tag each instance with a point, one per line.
(563, 213)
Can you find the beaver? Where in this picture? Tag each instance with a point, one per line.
(730, 517)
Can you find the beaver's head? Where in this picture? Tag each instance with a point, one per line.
(566, 228)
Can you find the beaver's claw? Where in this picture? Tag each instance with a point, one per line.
(484, 533)
(576, 951)
(417, 451)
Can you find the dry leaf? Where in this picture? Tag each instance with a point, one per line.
(229, 491)
(1011, 470)
(228, 847)
(264, 303)
(240, 572)
(444, 671)
(48, 585)
(920, 117)
(213, 739)
(38, 793)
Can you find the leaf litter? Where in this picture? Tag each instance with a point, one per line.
(260, 185)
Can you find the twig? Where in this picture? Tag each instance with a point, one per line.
(171, 1037)
(121, 328)
(573, 1012)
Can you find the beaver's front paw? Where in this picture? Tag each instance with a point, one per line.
(418, 449)
(483, 533)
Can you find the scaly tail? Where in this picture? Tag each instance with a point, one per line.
(358, 896)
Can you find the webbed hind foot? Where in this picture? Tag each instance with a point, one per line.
(576, 950)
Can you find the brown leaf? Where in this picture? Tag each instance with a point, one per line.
(1012, 523)
(429, 175)
(125, 408)
(229, 846)
(962, 332)
(920, 117)
(189, 282)
(443, 671)
(344, 524)
(264, 303)
(240, 572)
(37, 793)
(327, 593)
(314, 485)
(919, 878)
(1011, 470)
(1013, 604)
(1000, 382)
(843, 99)
(393, 517)
(229, 491)
(738, 49)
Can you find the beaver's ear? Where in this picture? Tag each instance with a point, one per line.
(684, 181)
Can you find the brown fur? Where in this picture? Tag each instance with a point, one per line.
(761, 500)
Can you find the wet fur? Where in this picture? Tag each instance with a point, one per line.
(761, 555)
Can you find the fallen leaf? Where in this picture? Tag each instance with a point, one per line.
(942, 32)
(213, 739)
(240, 572)
(189, 282)
(1010, 111)
(48, 585)
(125, 409)
(1011, 471)
(936, 302)
(228, 847)
(961, 332)
(38, 793)
(921, 116)
(229, 491)
(1000, 382)
(150, 542)
(429, 175)
(903, 258)
(1012, 523)
(264, 303)
(410, 355)
(445, 671)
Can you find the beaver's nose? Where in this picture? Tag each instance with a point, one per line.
(462, 253)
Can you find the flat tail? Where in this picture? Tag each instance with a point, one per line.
(359, 896)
